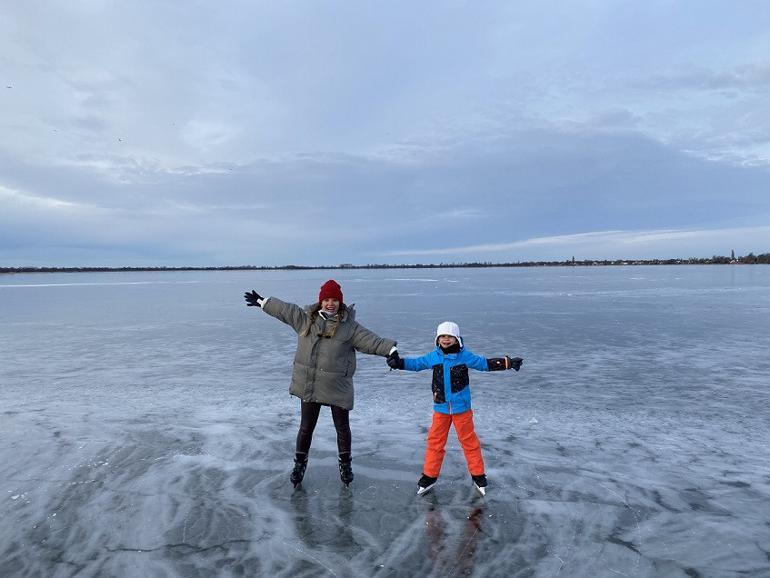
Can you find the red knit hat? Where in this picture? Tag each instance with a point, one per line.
(330, 290)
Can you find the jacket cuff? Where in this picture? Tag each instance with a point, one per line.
(497, 363)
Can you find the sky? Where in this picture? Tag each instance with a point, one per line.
(186, 133)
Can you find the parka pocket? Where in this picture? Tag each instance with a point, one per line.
(438, 384)
(458, 376)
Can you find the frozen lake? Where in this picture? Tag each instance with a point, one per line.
(146, 427)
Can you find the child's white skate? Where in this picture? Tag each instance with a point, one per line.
(425, 484)
(480, 483)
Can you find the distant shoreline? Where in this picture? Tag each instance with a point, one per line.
(750, 259)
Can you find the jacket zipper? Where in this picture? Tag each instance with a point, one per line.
(448, 395)
(314, 362)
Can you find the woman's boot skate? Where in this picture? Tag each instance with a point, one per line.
(300, 463)
(346, 469)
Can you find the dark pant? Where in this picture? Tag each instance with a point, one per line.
(310, 412)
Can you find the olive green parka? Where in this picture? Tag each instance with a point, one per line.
(325, 360)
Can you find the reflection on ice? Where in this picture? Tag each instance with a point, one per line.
(157, 441)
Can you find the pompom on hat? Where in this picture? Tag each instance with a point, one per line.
(449, 328)
(330, 290)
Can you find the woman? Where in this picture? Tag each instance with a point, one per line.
(328, 337)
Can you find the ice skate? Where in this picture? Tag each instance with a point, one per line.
(480, 483)
(346, 470)
(300, 463)
(424, 484)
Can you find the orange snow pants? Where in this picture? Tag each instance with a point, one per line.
(437, 436)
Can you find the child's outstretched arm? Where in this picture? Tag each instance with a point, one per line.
(493, 363)
(410, 364)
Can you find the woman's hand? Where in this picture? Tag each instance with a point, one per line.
(394, 361)
(253, 299)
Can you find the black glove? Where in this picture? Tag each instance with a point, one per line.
(515, 362)
(253, 298)
(394, 361)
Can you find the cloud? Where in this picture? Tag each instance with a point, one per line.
(591, 238)
(206, 135)
(12, 197)
(273, 133)
(603, 244)
(326, 208)
(754, 77)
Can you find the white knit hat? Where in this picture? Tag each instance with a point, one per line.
(449, 328)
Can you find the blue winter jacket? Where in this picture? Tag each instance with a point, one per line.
(451, 385)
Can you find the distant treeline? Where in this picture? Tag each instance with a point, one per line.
(750, 259)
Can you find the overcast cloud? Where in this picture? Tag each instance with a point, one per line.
(228, 133)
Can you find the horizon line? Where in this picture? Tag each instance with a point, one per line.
(750, 258)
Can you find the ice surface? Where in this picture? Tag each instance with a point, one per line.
(147, 429)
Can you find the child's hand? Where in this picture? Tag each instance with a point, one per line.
(514, 363)
(394, 361)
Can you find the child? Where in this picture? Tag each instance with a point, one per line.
(452, 401)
